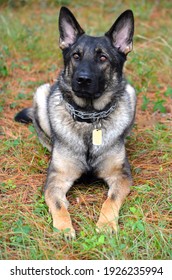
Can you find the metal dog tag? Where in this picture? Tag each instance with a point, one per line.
(97, 136)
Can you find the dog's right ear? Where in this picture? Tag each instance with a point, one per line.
(69, 28)
(122, 31)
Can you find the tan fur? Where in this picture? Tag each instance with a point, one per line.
(61, 217)
(109, 213)
(119, 188)
(60, 178)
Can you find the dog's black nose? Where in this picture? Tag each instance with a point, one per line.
(84, 81)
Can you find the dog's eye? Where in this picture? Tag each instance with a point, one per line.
(76, 56)
(103, 58)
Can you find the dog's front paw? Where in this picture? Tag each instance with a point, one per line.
(64, 227)
(109, 227)
(68, 233)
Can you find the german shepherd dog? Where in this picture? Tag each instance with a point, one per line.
(84, 117)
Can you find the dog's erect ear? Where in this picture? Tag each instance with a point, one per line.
(69, 28)
(122, 31)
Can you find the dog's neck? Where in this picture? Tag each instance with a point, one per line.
(85, 111)
(89, 117)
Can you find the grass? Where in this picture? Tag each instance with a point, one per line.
(29, 56)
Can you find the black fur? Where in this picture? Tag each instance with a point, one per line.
(24, 116)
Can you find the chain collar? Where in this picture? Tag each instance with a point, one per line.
(89, 117)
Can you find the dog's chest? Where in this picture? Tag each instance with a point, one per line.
(82, 135)
(84, 138)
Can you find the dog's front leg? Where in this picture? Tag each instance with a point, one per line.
(61, 175)
(119, 181)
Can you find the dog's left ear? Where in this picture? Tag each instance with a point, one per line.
(122, 31)
(69, 28)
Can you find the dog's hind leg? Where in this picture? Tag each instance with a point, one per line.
(118, 177)
(62, 173)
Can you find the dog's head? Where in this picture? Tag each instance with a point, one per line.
(92, 64)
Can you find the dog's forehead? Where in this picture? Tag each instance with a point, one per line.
(89, 44)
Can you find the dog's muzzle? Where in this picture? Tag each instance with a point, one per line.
(85, 86)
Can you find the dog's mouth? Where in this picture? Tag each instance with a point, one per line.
(87, 94)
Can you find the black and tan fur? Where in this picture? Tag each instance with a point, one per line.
(92, 81)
